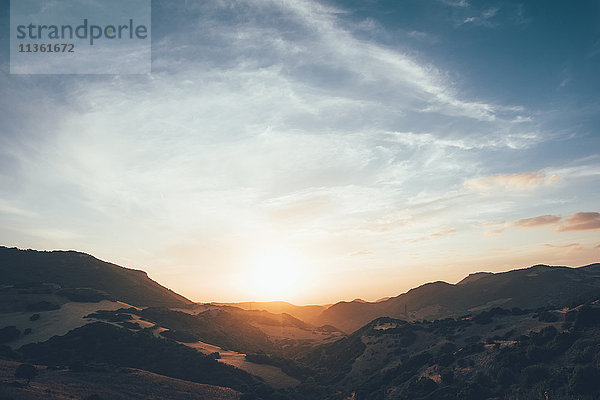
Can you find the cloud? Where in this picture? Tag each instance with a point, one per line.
(7, 207)
(537, 221)
(441, 232)
(361, 253)
(564, 246)
(444, 231)
(581, 221)
(261, 120)
(494, 232)
(519, 181)
(483, 19)
(456, 3)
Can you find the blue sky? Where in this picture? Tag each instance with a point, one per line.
(317, 151)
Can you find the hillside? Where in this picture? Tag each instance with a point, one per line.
(532, 287)
(495, 354)
(114, 384)
(309, 313)
(71, 269)
(518, 333)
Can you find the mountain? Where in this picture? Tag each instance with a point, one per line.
(527, 333)
(533, 287)
(495, 354)
(71, 269)
(308, 313)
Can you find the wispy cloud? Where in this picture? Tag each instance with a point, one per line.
(563, 246)
(537, 221)
(581, 221)
(519, 181)
(484, 18)
(456, 3)
(444, 231)
(268, 122)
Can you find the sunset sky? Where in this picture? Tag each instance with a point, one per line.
(317, 151)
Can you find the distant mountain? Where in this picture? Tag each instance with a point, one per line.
(532, 287)
(308, 313)
(71, 269)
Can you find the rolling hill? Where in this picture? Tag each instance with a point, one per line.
(308, 313)
(532, 287)
(71, 269)
(519, 333)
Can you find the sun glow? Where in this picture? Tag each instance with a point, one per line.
(274, 276)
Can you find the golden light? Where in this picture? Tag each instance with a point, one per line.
(274, 276)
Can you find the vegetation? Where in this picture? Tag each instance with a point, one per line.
(109, 345)
(9, 333)
(526, 349)
(26, 371)
(84, 295)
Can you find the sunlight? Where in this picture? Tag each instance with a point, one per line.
(274, 276)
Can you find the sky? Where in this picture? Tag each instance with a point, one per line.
(317, 151)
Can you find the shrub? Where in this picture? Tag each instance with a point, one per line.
(9, 333)
(505, 376)
(26, 371)
(547, 316)
(7, 353)
(34, 317)
(587, 317)
(180, 336)
(83, 295)
(535, 373)
(585, 380)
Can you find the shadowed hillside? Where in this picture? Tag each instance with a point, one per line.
(71, 269)
(105, 383)
(494, 354)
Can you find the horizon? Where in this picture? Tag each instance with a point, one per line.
(324, 304)
(310, 151)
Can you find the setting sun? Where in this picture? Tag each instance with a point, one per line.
(274, 276)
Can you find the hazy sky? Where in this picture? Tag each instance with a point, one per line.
(362, 147)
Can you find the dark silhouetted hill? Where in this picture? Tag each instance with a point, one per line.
(71, 269)
(532, 287)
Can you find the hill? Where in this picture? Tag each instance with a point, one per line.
(309, 313)
(115, 384)
(532, 287)
(495, 354)
(71, 269)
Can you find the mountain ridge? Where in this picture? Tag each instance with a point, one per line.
(72, 269)
(532, 287)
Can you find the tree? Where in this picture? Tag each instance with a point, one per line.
(26, 371)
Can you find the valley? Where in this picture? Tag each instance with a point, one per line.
(524, 333)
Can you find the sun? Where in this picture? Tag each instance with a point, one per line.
(274, 276)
